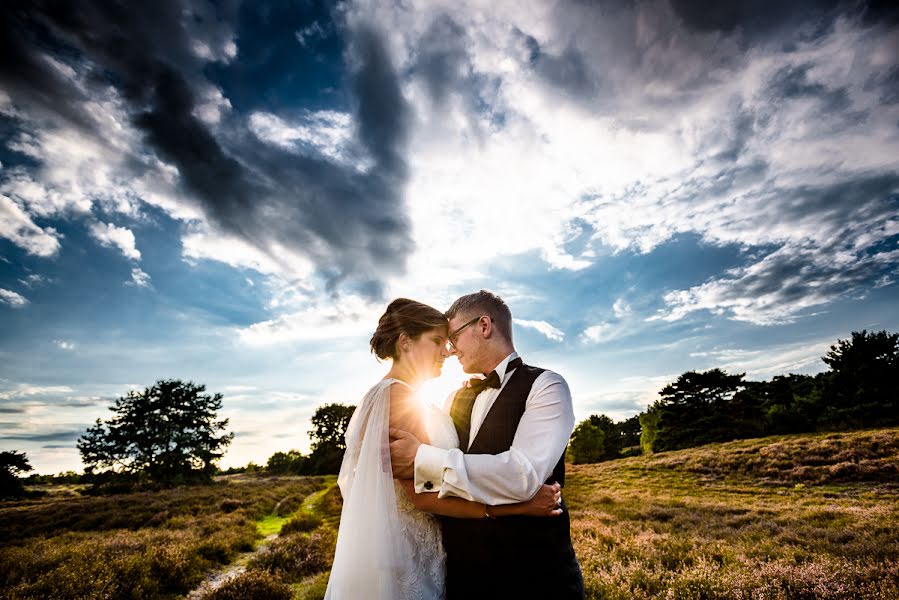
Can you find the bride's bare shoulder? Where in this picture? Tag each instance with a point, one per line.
(405, 410)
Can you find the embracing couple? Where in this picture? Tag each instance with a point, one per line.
(465, 502)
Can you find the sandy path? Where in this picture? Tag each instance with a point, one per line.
(215, 579)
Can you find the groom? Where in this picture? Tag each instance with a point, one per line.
(513, 430)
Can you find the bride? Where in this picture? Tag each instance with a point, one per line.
(389, 543)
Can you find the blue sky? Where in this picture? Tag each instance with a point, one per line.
(230, 193)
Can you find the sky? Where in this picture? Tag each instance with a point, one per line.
(231, 192)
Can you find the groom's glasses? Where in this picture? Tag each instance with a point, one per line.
(451, 338)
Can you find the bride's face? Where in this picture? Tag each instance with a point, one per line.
(426, 354)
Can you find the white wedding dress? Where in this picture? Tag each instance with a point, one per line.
(386, 548)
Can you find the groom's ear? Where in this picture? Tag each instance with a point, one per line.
(486, 327)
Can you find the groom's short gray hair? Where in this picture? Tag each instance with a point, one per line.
(484, 303)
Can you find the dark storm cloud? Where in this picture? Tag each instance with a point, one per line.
(442, 59)
(353, 226)
(794, 82)
(25, 76)
(53, 436)
(755, 18)
(11, 410)
(382, 111)
(568, 71)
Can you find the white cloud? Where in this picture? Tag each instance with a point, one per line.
(64, 345)
(760, 364)
(121, 237)
(17, 227)
(34, 279)
(543, 327)
(139, 278)
(350, 316)
(12, 298)
(778, 287)
(599, 332)
(204, 243)
(621, 308)
(211, 105)
(24, 390)
(327, 131)
(671, 132)
(308, 35)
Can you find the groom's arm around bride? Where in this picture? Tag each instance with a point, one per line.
(513, 428)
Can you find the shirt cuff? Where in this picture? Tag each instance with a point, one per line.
(429, 465)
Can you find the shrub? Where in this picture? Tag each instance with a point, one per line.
(252, 585)
(230, 505)
(301, 523)
(299, 555)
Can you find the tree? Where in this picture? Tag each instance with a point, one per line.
(695, 410)
(587, 443)
(167, 434)
(790, 403)
(286, 462)
(649, 427)
(12, 463)
(329, 423)
(629, 432)
(862, 389)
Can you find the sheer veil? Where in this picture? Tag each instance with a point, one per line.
(371, 549)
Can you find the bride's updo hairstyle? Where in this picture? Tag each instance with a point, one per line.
(403, 316)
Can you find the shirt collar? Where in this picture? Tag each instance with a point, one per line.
(501, 367)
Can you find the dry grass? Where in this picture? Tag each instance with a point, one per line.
(140, 545)
(793, 517)
(810, 516)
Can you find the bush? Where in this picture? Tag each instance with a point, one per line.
(230, 505)
(301, 523)
(297, 556)
(252, 585)
(289, 505)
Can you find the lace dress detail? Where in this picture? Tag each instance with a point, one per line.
(426, 580)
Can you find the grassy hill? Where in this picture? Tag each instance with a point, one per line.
(804, 516)
(801, 516)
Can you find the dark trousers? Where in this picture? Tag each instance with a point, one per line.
(497, 581)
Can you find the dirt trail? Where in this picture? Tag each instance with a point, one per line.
(215, 579)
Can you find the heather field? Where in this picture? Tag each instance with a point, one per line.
(802, 516)
(166, 544)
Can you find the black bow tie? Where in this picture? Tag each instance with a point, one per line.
(478, 385)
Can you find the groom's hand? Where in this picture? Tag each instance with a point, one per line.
(403, 448)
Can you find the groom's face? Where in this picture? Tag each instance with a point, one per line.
(467, 344)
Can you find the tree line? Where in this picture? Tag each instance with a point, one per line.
(169, 434)
(860, 389)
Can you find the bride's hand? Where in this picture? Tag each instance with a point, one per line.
(546, 503)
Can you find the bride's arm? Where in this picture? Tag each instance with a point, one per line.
(544, 504)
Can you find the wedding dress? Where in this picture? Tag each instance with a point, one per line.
(386, 548)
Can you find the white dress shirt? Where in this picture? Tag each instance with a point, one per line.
(516, 474)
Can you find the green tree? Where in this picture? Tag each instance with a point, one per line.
(790, 403)
(329, 423)
(168, 433)
(12, 463)
(696, 410)
(286, 462)
(649, 427)
(611, 445)
(629, 432)
(587, 443)
(862, 389)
